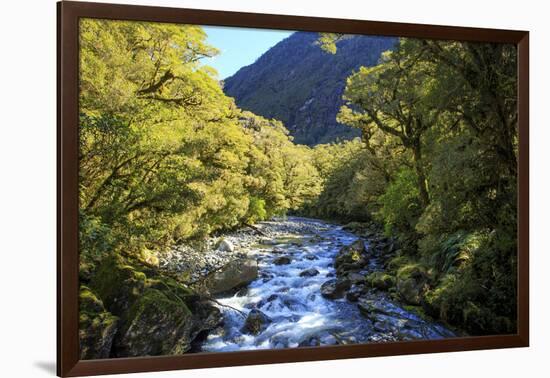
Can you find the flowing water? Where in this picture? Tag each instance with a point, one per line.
(300, 315)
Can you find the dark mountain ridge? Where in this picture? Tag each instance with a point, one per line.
(301, 85)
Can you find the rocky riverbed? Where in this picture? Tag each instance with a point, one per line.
(279, 284)
(302, 282)
(218, 251)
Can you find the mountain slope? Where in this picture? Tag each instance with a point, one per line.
(298, 83)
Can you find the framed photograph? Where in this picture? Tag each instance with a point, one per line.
(238, 188)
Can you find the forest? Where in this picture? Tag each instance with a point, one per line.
(166, 157)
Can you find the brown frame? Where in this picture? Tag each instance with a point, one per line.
(68, 14)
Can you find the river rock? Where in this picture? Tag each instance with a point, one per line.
(354, 293)
(268, 241)
(225, 245)
(335, 289)
(356, 277)
(309, 272)
(351, 258)
(310, 341)
(411, 284)
(380, 280)
(311, 257)
(282, 260)
(371, 308)
(256, 322)
(234, 275)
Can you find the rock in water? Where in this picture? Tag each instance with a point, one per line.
(354, 293)
(283, 260)
(234, 275)
(311, 272)
(97, 327)
(256, 322)
(335, 289)
(351, 258)
(225, 245)
(371, 308)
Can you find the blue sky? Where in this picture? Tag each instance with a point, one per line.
(239, 46)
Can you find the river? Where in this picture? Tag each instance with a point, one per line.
(299, 315)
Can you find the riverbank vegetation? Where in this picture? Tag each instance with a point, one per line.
(438, 171)
(166, 157)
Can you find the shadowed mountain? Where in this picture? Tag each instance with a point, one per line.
(300, 84)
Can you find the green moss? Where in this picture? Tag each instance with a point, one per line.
(154, 298)
(118, 283)
(397, 262)
(171, 287)
(410, 270)
(89, 303)
(380, 280)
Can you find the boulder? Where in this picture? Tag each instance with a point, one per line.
(335, 289)
(282, 260)
(380, 280)
(161, 323)
(157, 314)
(256, 322)
(310, 341)
(97, 327)
(412, 281)
(234, 275)
(356, 278)
(351, 258)
(371, 308)
(118, 284)
(354, 293)
(309, 272)
(225, 245)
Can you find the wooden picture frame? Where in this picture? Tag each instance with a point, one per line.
(68, 15)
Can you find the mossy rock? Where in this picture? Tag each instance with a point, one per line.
(161, 323)
(256, 322)
(97, 327)
(397, 262)
(154, 324)
(412, 282)
(380, 280)
(169, 284)
(118, 284)
(356, 226)
(158, 315)
(351, 257)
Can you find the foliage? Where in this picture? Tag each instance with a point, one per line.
(400, 203)
(448, 114)
(165, 155)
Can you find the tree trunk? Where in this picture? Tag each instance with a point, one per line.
(422, 181)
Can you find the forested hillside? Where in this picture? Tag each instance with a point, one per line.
(301, 85)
